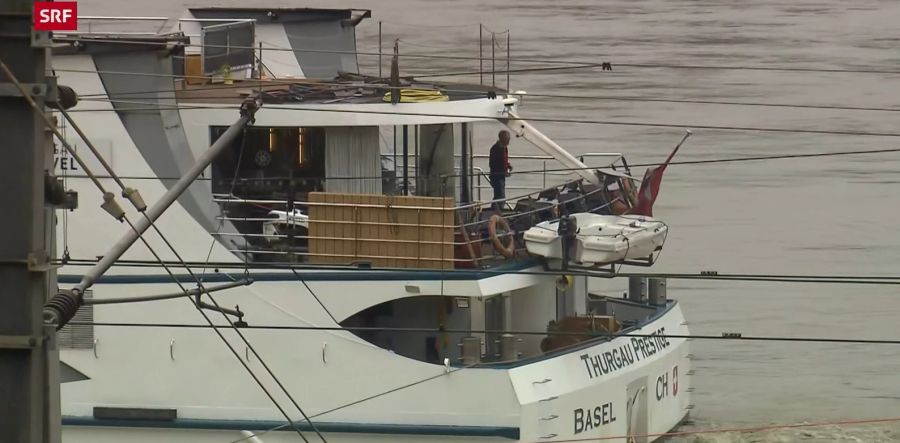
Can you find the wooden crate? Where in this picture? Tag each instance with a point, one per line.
(193, 70)
(388, 231)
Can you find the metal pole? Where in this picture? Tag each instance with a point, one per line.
(493, 60)
(29, 407)
(471, 138)
(157, 209)
(394, 162)
(479, 187)
(380, 50)
(464, 167)
(418, 189)
(290, 209)
(480, 54)
(507, 59)
(259, 74)
(405, 160)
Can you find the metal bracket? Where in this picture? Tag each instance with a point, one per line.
(56, 195)
(35, 89)
(39, 261)
(41, 39)
(20, 342)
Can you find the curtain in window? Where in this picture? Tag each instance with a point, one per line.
(351, 153)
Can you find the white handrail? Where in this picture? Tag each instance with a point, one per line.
(116, 18)
(191, 20)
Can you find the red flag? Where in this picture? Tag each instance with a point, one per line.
(650, 187)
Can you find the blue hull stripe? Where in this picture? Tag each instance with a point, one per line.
(263, 425)
(349, 275)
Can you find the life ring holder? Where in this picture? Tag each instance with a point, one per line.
(507, 250)
(564, 282)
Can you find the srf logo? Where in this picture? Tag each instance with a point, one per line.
(55, 16)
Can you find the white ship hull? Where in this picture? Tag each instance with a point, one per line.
(581, 392)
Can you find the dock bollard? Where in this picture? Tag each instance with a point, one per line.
(471, 350)
(637, 289)
(657, 291)
(508, 351)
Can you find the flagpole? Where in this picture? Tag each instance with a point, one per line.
(687, 134)
(652, 181)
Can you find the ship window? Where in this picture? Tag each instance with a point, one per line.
(275, 168)
(270, 162)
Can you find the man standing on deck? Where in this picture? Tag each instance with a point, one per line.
(500, 167)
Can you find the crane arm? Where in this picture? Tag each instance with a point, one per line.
(523, 129)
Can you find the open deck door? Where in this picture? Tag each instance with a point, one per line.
(228, 47)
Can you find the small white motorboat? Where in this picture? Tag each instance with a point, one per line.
(600, 238)
(282, 221)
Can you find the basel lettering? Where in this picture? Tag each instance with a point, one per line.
(637, 349)
(590, 418)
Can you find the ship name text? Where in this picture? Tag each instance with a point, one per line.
(637, 349)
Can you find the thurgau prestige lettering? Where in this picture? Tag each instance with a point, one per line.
(637, 349)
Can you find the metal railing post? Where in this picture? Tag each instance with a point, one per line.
(493, 60)
(507, 60)
(545, 174)
(405, 160)
(259, 74)
(481, 54)
(465, 167)
(380, 50)
(479, 187)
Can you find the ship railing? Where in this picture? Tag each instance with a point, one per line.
(367, 231)
(481, 179)
(93, 25)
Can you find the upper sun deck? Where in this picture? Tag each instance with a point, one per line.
(346, 88)
(299, 42)
(295, 58)
(347, 100)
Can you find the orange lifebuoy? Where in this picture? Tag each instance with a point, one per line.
(507, 250)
